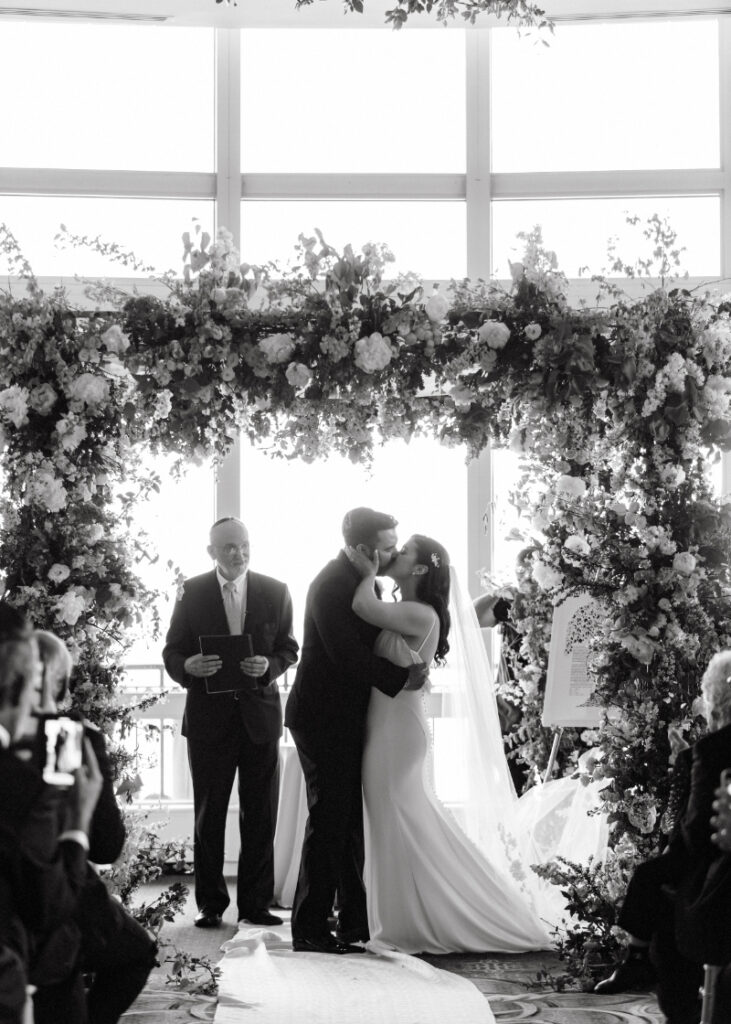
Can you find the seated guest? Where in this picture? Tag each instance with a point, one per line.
(688, 856)
(644, 898)
(115, 949)
(43, 868)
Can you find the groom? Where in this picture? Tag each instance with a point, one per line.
(326, 713)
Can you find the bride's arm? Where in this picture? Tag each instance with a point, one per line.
(407, 617)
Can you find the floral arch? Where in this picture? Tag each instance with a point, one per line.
(617, 412)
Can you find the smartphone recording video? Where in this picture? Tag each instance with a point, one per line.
(60, 749)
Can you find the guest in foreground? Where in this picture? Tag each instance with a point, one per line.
(326, 713)
(676, 953)
(117, 953)
(43, 863)
(235, 729)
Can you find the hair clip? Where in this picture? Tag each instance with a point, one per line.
(435, 559)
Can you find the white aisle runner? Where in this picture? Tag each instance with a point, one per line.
(264, 981)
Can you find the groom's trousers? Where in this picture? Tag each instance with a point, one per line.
(332, 850)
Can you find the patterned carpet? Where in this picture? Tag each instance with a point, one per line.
(510, 983)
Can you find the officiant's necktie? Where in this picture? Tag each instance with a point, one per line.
(233, 608)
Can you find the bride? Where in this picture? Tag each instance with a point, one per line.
(431, 886)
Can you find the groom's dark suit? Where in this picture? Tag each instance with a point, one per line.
(228, 731)
(325, 713)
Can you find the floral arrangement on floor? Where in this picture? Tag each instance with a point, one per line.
(618, 412)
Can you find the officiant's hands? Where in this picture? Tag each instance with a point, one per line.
(202, 665)
(255, 666)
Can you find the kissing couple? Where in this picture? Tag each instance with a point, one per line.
(412, 880)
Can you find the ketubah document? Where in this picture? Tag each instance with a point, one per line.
(232, 650)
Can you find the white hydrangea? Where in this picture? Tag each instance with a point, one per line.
(574, 486)
(277, 347)
(684, 563)
(162, 405)
(577, 545)
(493, 334)
(14, 405)
(115, 340)
(372, 353)
(70, 606)
(298, 375)
(546, 576)
(436, 307)
(44, 488)
(90, 390)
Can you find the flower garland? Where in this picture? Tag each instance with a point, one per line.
(617, 414)
(520, 13)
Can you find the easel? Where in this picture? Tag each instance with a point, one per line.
(554, 753)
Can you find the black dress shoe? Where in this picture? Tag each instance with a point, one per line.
(326, 943)
(207, 919)
(348, 935)
(261, 917)
(633, 972)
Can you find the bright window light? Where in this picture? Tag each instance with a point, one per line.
(578, 231)
(152, 228)
(114, 97)
(428, 238)
(607, 96)
(339, 100)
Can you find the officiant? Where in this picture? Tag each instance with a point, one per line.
(233, 718)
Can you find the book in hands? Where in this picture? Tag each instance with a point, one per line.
(232, 650)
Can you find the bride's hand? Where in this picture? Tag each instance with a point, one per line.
(366, 566)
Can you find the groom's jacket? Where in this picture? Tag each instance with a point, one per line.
(199, 611)
(337, 665)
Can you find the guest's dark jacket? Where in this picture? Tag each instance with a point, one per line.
(200, 611)
(337, 667)
(45, 877)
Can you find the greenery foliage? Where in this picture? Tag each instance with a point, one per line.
(618, 413)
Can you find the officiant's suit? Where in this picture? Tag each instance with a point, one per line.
(230, 731)
(326, 712)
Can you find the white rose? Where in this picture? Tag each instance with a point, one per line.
(71, 433)
(640, 647)
(546, 576)
(571, 485)
(58, 572)
(533, 332)
(45, 489)
(298, 375)
(89, 389)
(436, 307)
(219, 296)
(14, 404)
(577, 544)
(372, 353)
(94, 533)
(43, 398)
(684, 563)
(115, 340)
(69, 607)
(493, 334)
(277, 347)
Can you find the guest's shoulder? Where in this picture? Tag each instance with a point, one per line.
(715, 744)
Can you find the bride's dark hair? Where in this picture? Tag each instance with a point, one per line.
(433, 586)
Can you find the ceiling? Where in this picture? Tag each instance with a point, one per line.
(322, 13)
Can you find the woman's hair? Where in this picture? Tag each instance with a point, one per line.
(433, 586)
(716, 689)
(18, 662)
(57, 665)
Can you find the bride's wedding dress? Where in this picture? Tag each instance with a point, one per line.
(430, 889)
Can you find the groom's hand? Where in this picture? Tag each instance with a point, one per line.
(418, 675)
(366, 566)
